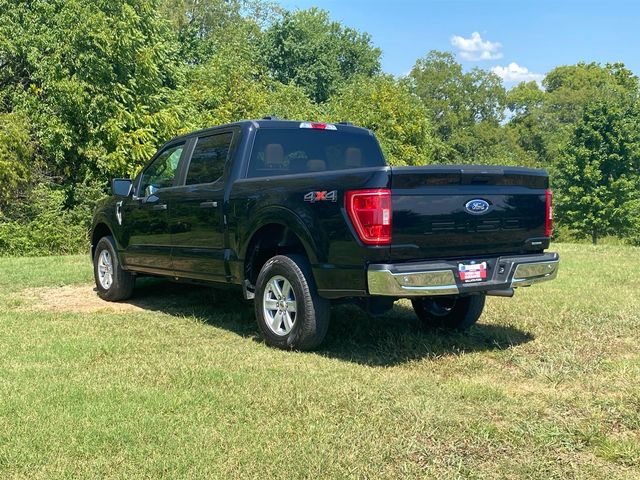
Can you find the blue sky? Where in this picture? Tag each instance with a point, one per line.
(520, 40)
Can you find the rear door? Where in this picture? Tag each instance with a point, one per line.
(197, 211)
(467, 211)
(145, 219)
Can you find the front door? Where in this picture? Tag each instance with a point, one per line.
(197, 212)
(145, 217)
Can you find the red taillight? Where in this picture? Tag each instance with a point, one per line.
(548, 219)
(370, 214)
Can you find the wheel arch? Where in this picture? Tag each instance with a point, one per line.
(100, 230)
(274, 237)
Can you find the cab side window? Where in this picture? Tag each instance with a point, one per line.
(209, 158)
(162, 172)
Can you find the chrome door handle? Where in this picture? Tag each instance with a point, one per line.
(208, 205)
(162, 206)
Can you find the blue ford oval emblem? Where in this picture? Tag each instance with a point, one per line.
(477, 206)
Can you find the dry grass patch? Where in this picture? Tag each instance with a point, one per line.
(153, 296)
(71, 298)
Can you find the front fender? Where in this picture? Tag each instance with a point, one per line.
(104, 215)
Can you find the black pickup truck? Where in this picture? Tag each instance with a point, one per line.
(301, 214)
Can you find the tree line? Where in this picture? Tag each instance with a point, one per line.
(90, 88)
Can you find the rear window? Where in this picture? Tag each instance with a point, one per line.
(289, 151)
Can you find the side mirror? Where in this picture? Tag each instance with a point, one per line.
(121, 187)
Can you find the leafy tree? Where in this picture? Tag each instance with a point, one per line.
(388, 107)
(94, 77)
(524, 98)
(531, 125)
(289, 101)
(202, 27)
(45, 226)
(307, 48)
(16, 156)
(488, 143)
(571, 87)
(457, 101)
(231, 86)
(544, 120)
(224, 89)
(597, 178)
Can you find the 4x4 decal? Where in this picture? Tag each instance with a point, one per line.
(322, 196)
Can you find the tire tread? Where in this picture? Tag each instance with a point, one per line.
(312, 321)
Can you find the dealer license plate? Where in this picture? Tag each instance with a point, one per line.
(472, 272)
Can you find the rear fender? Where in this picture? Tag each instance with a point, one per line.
(289, 220)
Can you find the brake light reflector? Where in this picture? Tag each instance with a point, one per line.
(548, 219)
(370, 213)
(318, 126)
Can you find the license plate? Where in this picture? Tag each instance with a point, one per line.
(472, 272)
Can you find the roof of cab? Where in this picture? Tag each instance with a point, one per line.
(273, 123)
(281, 123)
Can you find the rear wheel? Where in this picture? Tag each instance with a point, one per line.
(289, 311)
(455, 313)
(112, 282)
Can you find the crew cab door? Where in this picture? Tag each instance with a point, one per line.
(197, 211)
(145, 216)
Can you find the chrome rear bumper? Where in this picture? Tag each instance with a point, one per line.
(442, 278)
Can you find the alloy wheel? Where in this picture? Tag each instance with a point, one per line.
(279, 305)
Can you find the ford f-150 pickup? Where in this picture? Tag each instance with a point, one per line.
(299, 215)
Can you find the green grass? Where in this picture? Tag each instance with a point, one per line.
(547, 385)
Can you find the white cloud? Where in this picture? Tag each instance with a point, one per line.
(516, 73)
(475, 49)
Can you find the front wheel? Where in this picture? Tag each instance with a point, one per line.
(112, 282)
(455, 313)
(289, 311)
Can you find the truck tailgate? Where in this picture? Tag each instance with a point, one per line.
(434, 214)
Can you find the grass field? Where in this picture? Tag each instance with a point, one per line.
(177, 383)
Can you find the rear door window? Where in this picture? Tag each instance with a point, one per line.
(290, 151)
(209, 158)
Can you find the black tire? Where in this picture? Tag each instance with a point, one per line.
(454, 313)
(305, 328)
(122, 282)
